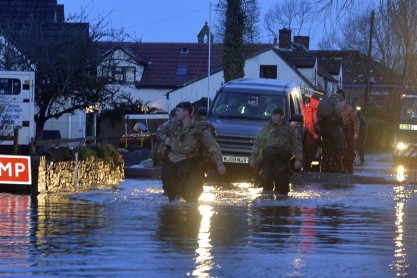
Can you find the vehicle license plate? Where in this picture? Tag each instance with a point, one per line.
(235, 159)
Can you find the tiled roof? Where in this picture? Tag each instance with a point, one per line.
(298, 59)
(323, 72)
(354, 66)
(162, 60)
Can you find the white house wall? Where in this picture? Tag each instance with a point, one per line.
(150, 97)
(70, 126)
(284, 71)
(122, 59)
(196, 90)
(309, 73)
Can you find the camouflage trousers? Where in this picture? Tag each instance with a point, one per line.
(274, 171)
(183, 179)
(349, 153)
(333, 145)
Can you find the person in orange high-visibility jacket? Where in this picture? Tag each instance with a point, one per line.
(312, 138)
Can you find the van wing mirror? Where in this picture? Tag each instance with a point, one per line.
(297, 118)
(202, 111)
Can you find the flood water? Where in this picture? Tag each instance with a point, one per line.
(360, 230)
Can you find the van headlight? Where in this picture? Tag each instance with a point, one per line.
(401, 146)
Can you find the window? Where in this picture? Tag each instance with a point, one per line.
(182, 70)
(10, 86)
(120, 74)
(268, 71)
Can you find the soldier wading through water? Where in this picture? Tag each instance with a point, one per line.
(184, 168)
(272, 151)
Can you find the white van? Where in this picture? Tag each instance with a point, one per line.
(17, 107)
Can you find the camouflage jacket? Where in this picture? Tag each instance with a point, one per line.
(330, 108)
(350, 118)
(163, 130)
(282, 136)
(188, 142)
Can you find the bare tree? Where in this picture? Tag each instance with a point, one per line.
(65, 56)
(335, 9)
(296, 15)
(395, 37)
(331, 41)
(355, 33)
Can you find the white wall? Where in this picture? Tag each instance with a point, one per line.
(196, 90)
(70, 126)
(119, 58)
(284, 71)
(150, 97)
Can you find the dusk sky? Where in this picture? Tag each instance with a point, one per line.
(165, 20)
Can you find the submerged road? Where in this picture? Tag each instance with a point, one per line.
(329, 226)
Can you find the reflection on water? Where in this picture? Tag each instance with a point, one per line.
(203, 260)
(180, 226)
(15, 224)
(61, 220)
(235, 231)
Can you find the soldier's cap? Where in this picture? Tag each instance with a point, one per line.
(278, 110)
(187, 106)
(172, 112)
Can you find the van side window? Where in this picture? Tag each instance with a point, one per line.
(10, 86)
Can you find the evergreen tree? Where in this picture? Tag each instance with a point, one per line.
(233, 52)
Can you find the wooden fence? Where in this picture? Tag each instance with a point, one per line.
(36, 144)
(13, 138)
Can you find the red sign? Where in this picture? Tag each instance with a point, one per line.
(15, 169)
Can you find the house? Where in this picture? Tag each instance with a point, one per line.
(381, 87)
(151, 71)
(163, 74)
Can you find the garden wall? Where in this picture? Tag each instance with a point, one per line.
(65, 176)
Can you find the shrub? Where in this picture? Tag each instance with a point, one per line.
(107, 153)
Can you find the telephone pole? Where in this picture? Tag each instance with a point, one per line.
(369, 57)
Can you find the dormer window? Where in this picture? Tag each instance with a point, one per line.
(120, 74)
(182, 70)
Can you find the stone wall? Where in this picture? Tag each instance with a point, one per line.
(57, 177)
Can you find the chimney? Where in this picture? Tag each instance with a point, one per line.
(284, 38)
(303, 40)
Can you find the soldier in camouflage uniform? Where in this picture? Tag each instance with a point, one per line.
(351, 132)
(184, 168)
(274, 147)
(160, 151)
(330, 122)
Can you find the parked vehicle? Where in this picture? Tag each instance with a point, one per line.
(142, 134)
(139, 137)
(239, 110)
(17, 108)
(405, 136)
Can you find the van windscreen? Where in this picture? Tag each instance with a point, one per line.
(408, 108)
(246, 106)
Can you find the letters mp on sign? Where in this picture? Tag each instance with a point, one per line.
(15, 169)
